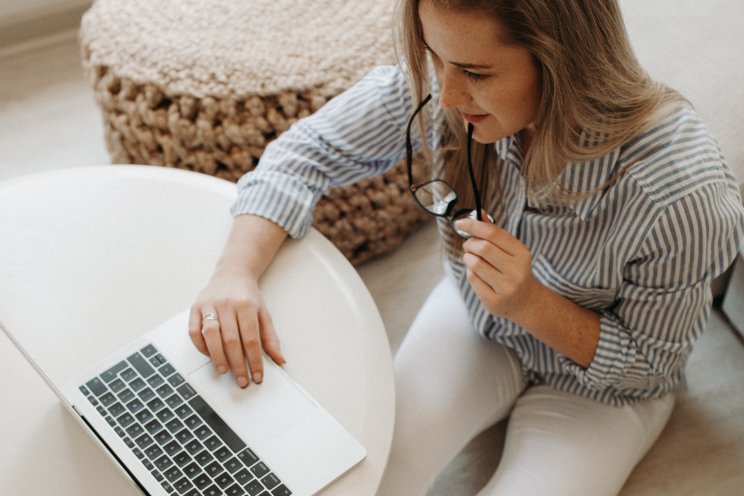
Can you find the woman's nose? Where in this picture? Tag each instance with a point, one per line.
(452, 93)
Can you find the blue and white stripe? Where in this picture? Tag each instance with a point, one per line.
(641, 254)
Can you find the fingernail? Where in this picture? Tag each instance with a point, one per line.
(242, 381)
(222, 369)
(257, 377)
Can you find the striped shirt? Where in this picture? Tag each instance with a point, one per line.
(641, 254)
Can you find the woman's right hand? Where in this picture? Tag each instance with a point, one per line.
(239, 330)
(229, 321)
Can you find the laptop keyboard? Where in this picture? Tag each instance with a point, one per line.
(176, 435)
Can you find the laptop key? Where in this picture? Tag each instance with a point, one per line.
(174, 425)
(144, 416)
(155, 405)
(213, 443)
(233, 465)
(163, 437)
(173, 474)
(166, 370)
(125, 419)
(202, 432)
(107, 399)
(254, 487)
(156, 381)
(181, 458)
(248, 457)
(260, 469)
(193, 446)
(137, 384)
(183, 485)
(172, 448)
(175, 380)
(163, 463)
(174, 401)
(281, 490)
(135, 405)
(97, 386)
(212, 490)
(164, 391)
(117, 385)
(165, 415)
(116, 409)
(157, 360)
(222, 453)
(184, 411)
(204, 458)
(128, 374)
(270, 480)
(186, 391)
(126, 395)
(134, 430)
(224, 480)
(146, 394)
(153, 426)
(111, 373)
(243, 476)
(153, 452)
(144, 441)
(234, 490)
(213, 469)
(192, 470)
(148, 351)
(201, 480)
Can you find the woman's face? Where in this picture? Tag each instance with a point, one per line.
(492, 84)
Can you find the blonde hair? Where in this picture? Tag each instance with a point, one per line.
(591, 84)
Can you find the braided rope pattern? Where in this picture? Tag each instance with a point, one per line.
(205, 85)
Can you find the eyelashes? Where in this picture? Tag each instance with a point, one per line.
(474, 76)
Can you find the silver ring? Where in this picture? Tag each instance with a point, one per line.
(209, 316)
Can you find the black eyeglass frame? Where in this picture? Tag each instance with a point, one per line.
(447, 214)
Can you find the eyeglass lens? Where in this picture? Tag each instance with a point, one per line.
(436, 197)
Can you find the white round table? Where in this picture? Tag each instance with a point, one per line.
(92, 257)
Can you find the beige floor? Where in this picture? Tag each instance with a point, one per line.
(48, 120)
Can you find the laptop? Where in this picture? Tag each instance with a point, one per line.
(177, 427)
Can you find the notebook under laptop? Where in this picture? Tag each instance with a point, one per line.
(177, 427)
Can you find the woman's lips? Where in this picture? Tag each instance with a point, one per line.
(474, 118)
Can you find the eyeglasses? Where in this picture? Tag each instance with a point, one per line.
(436, 196)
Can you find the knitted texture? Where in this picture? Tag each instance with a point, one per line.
(205, 85)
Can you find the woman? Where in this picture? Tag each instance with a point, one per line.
(608, 211)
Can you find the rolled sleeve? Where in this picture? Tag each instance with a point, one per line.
(665, 301)
(356, 135)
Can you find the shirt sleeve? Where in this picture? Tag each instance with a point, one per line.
(665, 301)
(356, 135)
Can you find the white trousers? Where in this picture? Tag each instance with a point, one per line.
(452, 384)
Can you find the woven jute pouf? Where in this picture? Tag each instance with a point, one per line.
(205, 85)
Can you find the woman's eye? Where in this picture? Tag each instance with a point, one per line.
(475, 76)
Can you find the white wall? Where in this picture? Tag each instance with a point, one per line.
(15, 11)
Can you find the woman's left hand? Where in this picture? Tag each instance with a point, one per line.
(499, 268)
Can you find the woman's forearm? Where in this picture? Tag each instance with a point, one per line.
(251, 246)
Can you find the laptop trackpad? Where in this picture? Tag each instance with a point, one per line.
(259, 413)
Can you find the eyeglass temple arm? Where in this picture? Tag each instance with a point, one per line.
(409, 147)
(473, 182)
